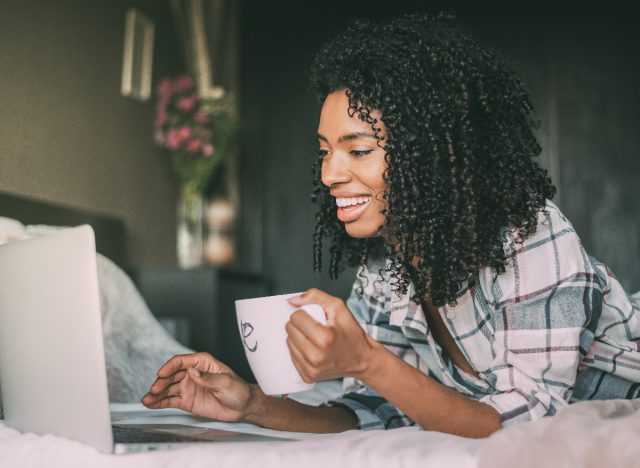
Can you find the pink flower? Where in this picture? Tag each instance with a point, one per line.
(194, 145)
(183, 84)
(207, 150)
(184, 133)
(188, 104)
(182, 123)
(173, 140)
(165, 88)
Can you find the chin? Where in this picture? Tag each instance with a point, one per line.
(362, 231)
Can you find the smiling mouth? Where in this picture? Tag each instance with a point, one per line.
(350, 209)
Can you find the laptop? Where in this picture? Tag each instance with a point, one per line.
(52, 364)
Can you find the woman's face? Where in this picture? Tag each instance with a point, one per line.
(352, 166)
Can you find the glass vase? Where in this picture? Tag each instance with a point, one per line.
(190, 225)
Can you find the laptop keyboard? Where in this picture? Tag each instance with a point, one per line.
(130, 434)
(177, 433)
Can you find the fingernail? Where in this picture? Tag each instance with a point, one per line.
(193, 372)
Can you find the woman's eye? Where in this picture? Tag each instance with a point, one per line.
(360, 152)
(322, 153)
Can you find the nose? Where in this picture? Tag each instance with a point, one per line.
(335, 170)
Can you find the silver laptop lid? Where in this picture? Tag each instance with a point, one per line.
(52, 367)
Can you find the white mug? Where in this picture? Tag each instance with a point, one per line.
(261, 322)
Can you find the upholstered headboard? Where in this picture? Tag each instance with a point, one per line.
(110, 231)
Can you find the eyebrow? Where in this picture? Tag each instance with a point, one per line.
(349, 136)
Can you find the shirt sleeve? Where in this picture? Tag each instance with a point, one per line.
(372, 410)
(545, 301)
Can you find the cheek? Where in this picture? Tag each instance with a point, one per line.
(380, 204)
(376, 174)
(375, 179)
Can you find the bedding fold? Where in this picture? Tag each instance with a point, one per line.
(586, 434)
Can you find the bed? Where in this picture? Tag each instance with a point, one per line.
(585, 434)
(582, 435)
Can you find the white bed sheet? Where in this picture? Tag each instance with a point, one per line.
(407, 447)
(596, 433)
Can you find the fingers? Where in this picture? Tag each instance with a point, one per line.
(299, 361)
(332, 305)
(180, 392)
(170, 392)
(302, 327)
(201, 361)
(169, 402)
(162, 383)
(215, 382)
(163, 387)
(179, 362)
(310, 358)
(311, 296)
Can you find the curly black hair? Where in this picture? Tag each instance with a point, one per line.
(459, 146)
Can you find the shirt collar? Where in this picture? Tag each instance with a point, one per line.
(403, 312)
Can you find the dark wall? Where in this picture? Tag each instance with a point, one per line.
(67, 136)
(579, 60)
(597, 69)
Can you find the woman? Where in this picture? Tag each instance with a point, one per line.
(485, 311)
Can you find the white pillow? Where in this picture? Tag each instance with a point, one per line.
(12, 230)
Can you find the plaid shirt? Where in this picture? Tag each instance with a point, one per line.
(556, 327)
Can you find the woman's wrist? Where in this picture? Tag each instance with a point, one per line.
(370, 361)
(256, 406)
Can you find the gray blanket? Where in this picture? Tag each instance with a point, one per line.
(135, 343)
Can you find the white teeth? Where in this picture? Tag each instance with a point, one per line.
(342, 202)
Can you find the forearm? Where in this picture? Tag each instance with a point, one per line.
(429, 403)
(290, 415)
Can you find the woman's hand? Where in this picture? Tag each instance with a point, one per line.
(321, 352)
(202, 385)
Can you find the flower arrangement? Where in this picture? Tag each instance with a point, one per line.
(199, 133)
